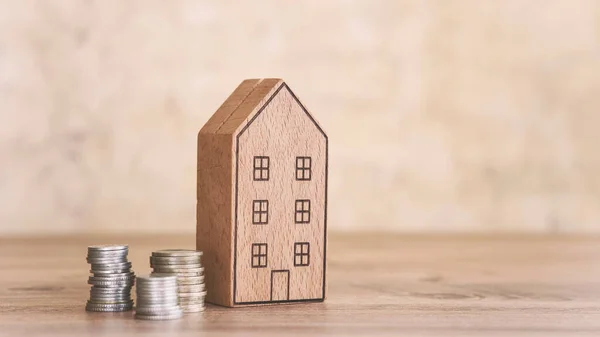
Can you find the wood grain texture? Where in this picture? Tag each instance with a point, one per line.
(379, 285)
(258, 250)
(214, 214)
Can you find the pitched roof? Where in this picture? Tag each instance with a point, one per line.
(245, 100)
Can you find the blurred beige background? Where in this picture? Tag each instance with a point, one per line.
(449, 116)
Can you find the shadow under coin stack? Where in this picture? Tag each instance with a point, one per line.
(185, 264)
(157, 298)
(112, 279)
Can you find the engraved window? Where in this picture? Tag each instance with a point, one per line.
(303, 168)
(301, 254)
(260, 212)
(259, 255)
(261, 168)
(302, 214)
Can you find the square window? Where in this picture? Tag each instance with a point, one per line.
(259, 255)
(261, 168)
(303, 168)
(260, 212)
(302, 214)
(301, 254)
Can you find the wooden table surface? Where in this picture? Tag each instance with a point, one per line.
(378, 285)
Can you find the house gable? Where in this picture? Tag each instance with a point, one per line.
(247, 101)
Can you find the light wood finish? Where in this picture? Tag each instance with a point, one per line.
(262, 118)
(379, 285)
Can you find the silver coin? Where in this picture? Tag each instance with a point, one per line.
(104, 248)
(177, 252)
(151, 304)
(192, 296)
(118, 292)
(157, 306)
(158, 282)
(104, 256)
(110, 291)
(174, 260)
(121, 294)
(126, 297)
(162, 291)
(190, 288)
(110, 266)
(156, 287)
(192, 308)
(156, 291)
(111, 279)
(100, 253)
(177, 266)
(130, 301)
(157, 278)
(155, 274)
(120, 309)
(180, 272)
(153, 285)
(191, 303)
(160, 317)
(154, 295)
(110, 284)
(103, 260)
(129, 272)
(165, 310)
(105, 290)
(190, 280)
(191, 300)
(110, 271)
(155, 298)
(113, 290)
(119, 250)
(96, 300)
(114, 277)
(93, 305)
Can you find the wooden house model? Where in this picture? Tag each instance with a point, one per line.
(262, 198)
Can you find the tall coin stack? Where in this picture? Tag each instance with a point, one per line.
(111, 279)
(185, 264)
(157, 298)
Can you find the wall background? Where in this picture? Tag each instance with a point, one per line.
(463, 115)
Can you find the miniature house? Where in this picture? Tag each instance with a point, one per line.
(262, 198)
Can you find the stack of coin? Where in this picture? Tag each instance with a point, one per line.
(111, 279)
(157, 298)
(185, 264)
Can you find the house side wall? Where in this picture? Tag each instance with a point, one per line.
(214, 214)
(282, 131)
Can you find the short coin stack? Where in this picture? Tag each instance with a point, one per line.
(111, 280)
(185, 264)
(157, 298)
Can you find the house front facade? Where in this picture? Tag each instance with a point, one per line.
(280, 205)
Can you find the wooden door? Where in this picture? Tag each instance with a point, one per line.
(280, 285)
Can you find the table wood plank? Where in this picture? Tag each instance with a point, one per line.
(378, 285)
